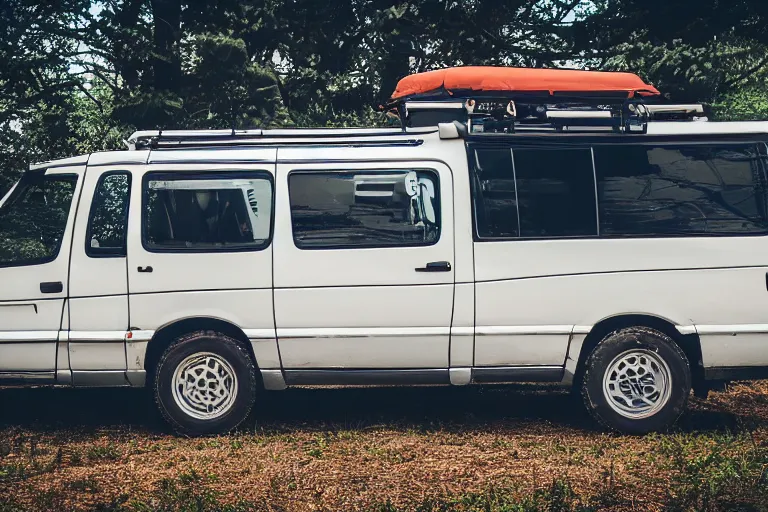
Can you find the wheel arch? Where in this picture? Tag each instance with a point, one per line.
(690, 344)
(164, 336)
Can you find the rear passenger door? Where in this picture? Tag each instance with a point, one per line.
(364, 275)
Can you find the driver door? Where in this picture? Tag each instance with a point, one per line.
(36, 222)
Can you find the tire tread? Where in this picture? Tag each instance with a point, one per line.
(191, 338)
(624, 334)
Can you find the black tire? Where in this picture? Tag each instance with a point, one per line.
(621, 342)
(224, 348)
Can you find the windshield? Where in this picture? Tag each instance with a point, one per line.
(33, 218)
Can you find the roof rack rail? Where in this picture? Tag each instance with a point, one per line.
(158, 139)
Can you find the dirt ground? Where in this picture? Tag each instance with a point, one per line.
(354, 449)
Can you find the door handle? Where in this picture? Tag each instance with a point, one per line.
(436, 266)
(146, 270)
(52, 287)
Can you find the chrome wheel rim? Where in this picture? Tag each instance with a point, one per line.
(637, 384)
(204, 386)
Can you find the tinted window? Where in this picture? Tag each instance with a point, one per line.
(364, 209)
(494, 193)
(555, 192)
(681, 189)
(207, 212)
(33, 219)
(108, 222)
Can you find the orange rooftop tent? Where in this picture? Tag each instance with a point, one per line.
(485, 79)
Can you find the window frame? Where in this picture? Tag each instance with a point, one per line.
(181, 175)
(590, 142)
(404, 170)
(108, 252)
(14, 193)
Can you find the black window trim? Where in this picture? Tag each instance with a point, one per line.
(209, 174)
(108, 252)
(478, 143)
(433, 171)
(72, 204)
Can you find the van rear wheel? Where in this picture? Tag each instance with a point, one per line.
(637, 380)
(205, 384)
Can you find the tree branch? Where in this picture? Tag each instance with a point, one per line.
(751, 71)
(97, 102)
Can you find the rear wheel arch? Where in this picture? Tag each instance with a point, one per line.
(688, 343)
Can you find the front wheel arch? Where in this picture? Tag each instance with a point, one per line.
(165, 336)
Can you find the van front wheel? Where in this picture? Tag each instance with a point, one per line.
(205, 384)
(637, 380)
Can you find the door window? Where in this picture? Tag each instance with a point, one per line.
(108, 222)
(357, 209)
(33, 219)
(207, 212)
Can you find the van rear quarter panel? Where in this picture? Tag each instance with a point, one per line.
(716, 284)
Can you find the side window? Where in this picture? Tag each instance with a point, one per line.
(108, 221)
(555, 192)
(681, 189)
(355, 209)
(495, 197)
(207, 212)
(34, 217)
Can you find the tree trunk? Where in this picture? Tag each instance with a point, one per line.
(166, 64)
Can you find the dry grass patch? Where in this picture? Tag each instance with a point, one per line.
(433, 449)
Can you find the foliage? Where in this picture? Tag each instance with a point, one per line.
(78, 76)
(711, 53)
(716, 477)
(746, 103)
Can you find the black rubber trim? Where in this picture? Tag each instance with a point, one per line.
(736, 373)
(26, 378)
(518, 374)
(366, 377)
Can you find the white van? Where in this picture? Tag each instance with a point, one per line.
(212, 265)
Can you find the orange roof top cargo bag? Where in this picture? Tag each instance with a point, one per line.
(485, 80)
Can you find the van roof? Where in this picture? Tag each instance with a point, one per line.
(359, 136)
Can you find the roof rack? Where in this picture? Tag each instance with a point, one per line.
(503, 99)
(504, 115)
(159, 139)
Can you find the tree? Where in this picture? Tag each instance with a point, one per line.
(712, 53)
(77, 76)
(38, 43)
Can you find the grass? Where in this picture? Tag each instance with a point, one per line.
(385, 450)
